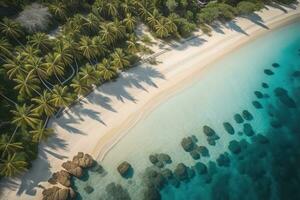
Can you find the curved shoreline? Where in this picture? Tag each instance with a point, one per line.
(100, 152)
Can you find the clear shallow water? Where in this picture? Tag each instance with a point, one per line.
(260, 171)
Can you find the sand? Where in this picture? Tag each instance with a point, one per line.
(102, 118)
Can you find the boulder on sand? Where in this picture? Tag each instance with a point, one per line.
(62, 177)
(72, 168)
(83, 160)
(124, 168)
(56, 193)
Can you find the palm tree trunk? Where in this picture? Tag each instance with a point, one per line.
(73, 73)
(8, 99)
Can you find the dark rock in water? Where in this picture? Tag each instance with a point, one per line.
(223, 160)
(159, 164)
(153, 159)
(98, 168)
(228, 127)
(187, 144)
(268, 72)
(234, 147)
(240, 133)
(181, 172)
(195, 155)
(266, 96)
(191, 173)
(116, 191)
(296, 74)
(247, 115)
(214, 137)
(208, 131)
(280, 92)
(167, 173)
(258, 94)
(238, 118)
(88, 189)
(244, 144)
(248, 130)
(201, 168)
(257, 105)
(151, 193)
(203, 151)
(259, 138)
(175, 182)
(288, 101)
(275, 65)
(276, 124)
(211, 142)
(265, 85)
(207, 178)
(124, 169)
(164, 158)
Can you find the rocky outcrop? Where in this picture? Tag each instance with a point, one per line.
(56, 193)
(83, 160)
(181, 172)
(187, 144)
(62, 177)
(72, 168)
(124, 168)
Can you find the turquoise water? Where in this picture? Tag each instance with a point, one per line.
(265, 166)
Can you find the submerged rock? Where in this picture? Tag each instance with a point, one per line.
(116, 191)
(201, 168)
(259, 138)
(195, 155)
(258, 94)
(238, 118)
(247, 115)
(276, 124)
(265, 85)
(88, 189)
(164, 158)
(234, 147)
(211, 141)
(288, 101)
(223, 160)
(153, 159)
(167, 173)
(275, 65)
(257, 105)
(296, 74)
(159, 164)
(240, 133)
(248, 130)
(181, 172)
(203, 151)
(279, 91)
(151, 193)
(208, 131)
(229, 128)
(268, 72)
(124, 169)
(187, 144)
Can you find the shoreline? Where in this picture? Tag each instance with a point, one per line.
(124, 113)
(187, 81)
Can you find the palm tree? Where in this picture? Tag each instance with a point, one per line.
(59, 10)
(118, 29)
(54, 66)
(132, 44)
(63, 53)
(27, 84)
(100, 44)
(91, 23)
(129, 22)
(7, 146)
(107, 33)
(14, 67)
(88, 48)
(12, 165)
(79, 86)
(41, 133)
(60, 96)
(40, 41)
(105, 70)
(11, 29)
(111, 8)
(88, 75)
(5, 49)
(161, 29)
(24, 116)
(120, 60)
(127, 7)
(44, 105)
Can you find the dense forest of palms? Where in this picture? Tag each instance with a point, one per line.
(41, 75)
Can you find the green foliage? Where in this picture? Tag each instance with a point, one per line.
(245, 7)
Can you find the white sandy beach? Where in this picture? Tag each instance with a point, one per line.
(104, 117)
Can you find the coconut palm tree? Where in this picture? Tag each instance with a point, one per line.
(111, 8)
(88, 48)
(91, 23)
(100, 44)
(14, 67)
(11, 29)
(60, 96)
(12, 165)
(79, 86)
(25, 116)
(63, 53)
(27, 84)
(129, 22)
(40, 41)
(44, 105)
(118, 29)
(59, 9)
(41, 133)
(107, 33)
(120, 60)
(105, 70)
(127, 7)
(5, 49)
(7, 146)
(132, 44)
(88, 75)
(54, 66)
(161, 28)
